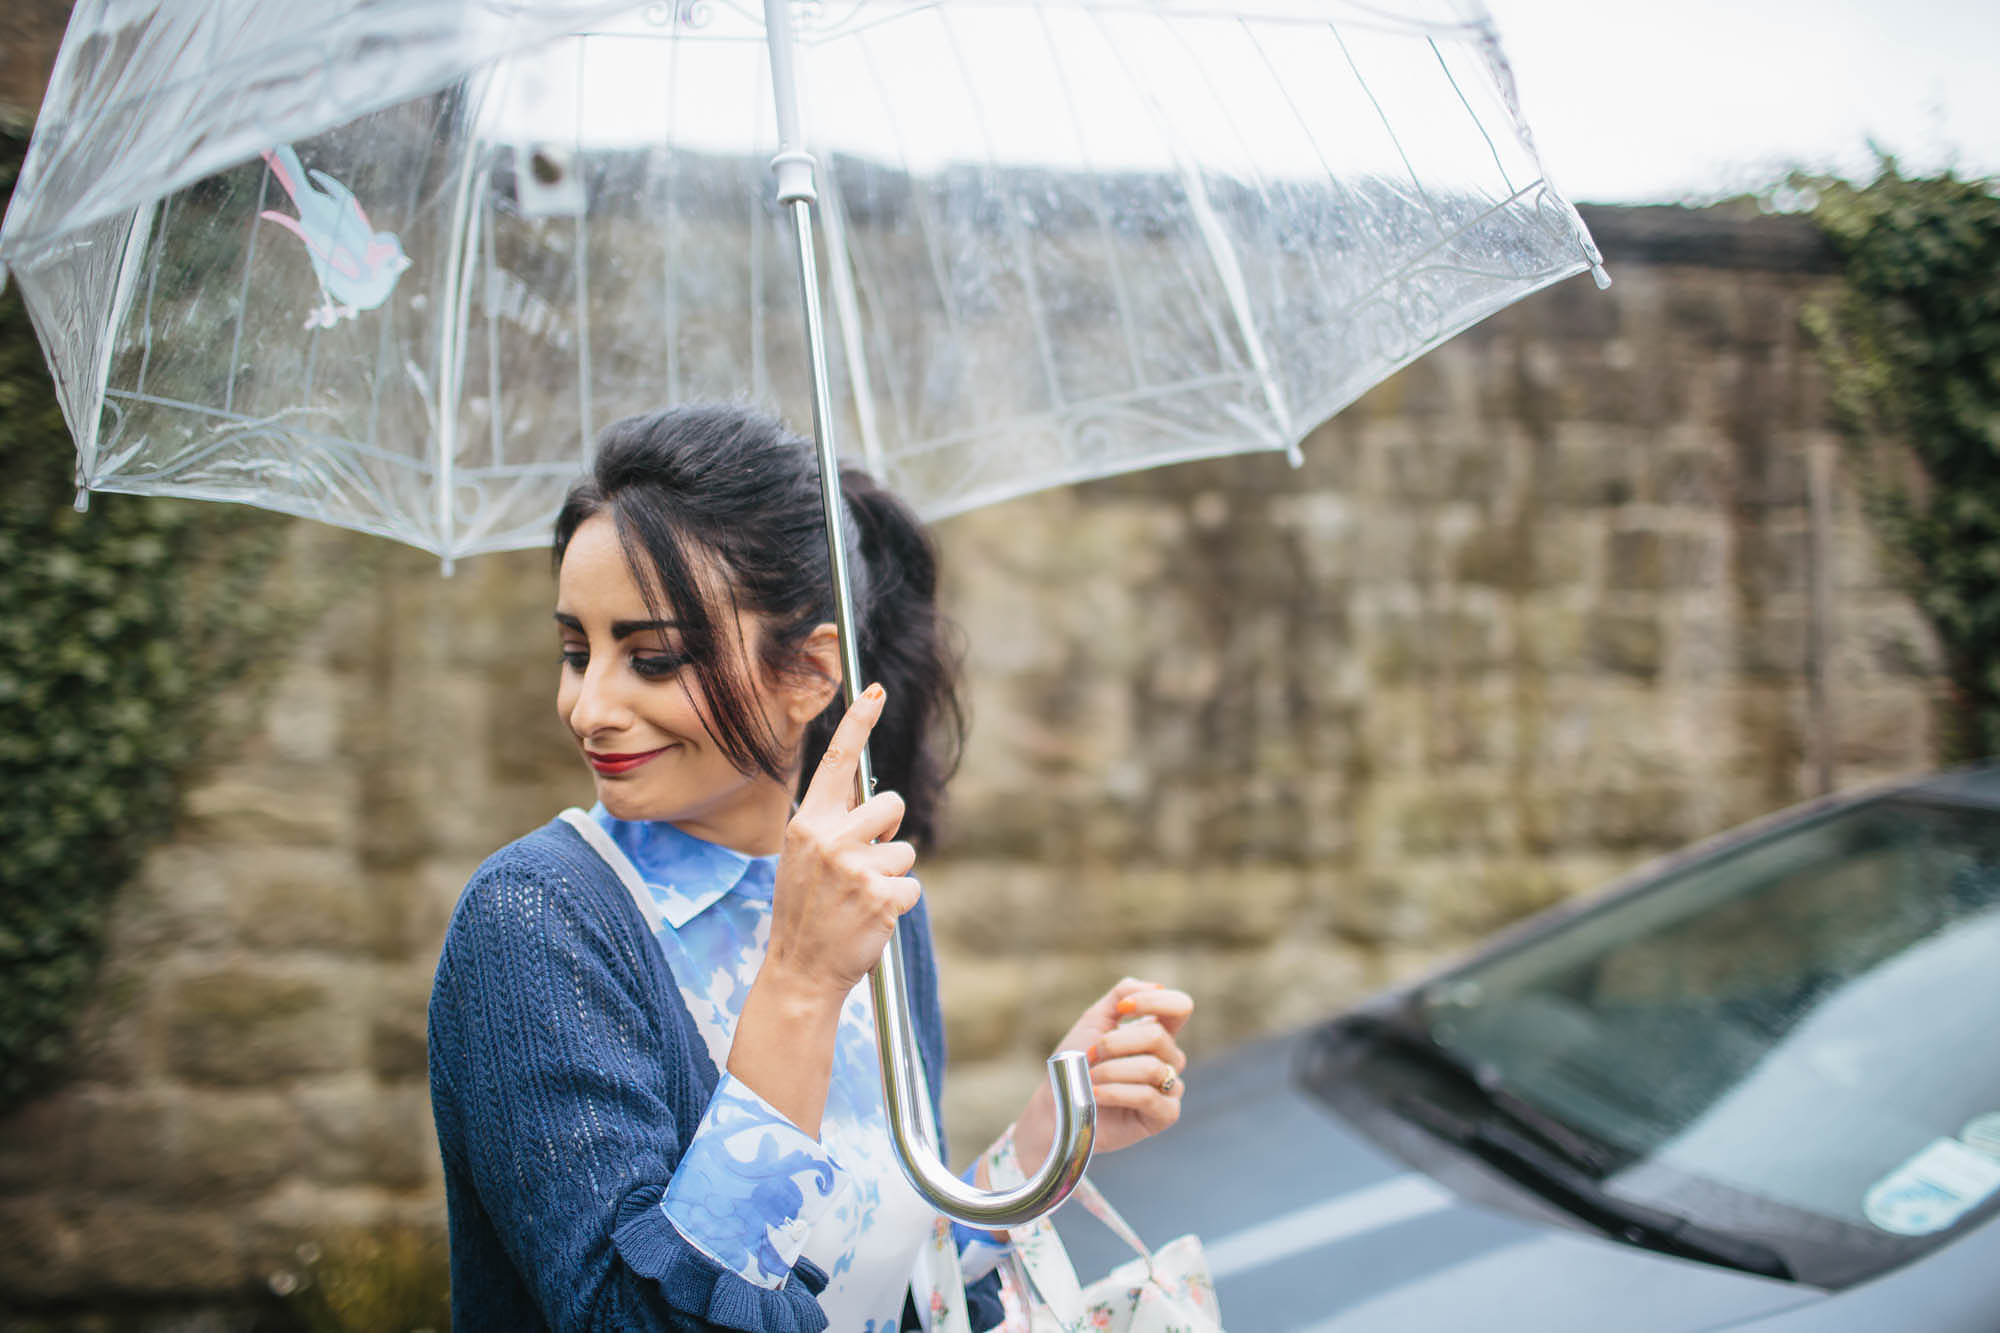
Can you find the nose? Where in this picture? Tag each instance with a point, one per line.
(599, 706)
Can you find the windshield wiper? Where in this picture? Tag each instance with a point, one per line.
(1578, 1194)
(1486, 1085)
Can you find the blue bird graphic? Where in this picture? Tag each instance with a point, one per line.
(356, 265)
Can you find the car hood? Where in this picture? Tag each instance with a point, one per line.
(1309, 1225)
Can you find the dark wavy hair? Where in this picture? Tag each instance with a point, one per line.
(718, 509)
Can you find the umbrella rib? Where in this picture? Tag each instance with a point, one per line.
(243, 294)
(152, 281)
(380, 376)
(1221, 253)
(581, 277)
(495, 440)
(833, 213)
(671, 235)
(1037, 316)
(936, 443)
(1119, 290)
(953, 317)
(331, 443)
(1477, 124)
(1387, 128)
(1366, 238)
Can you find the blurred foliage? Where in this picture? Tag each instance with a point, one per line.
(120, 625)
(1912, 343)
(392, 1279)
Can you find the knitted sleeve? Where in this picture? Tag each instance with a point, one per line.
(561, 1090)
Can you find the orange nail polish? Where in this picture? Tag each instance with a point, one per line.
(1127, 1006)
(1091, 1055)
(874, 691)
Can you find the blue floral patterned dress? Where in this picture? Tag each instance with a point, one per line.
(753, 1191)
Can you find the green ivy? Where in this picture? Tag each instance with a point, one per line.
(1913, 346)
(119, 624)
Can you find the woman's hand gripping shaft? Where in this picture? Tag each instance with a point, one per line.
(841, 886)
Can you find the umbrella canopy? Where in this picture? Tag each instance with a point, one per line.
(392, 266)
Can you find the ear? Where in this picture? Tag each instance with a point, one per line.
(819, 678)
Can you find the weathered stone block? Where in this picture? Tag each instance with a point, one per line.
(230, 1145)
(355, 1131)
(1774, 645)
(1449, 819)
(983, 1002)
(1584, 466)
(307, 898)
(44, 1257)
(138, 1250)
(268, 805)
(398, 1041)
(125, 1142)
(1628, 642)
(1651, 559)
(1885, 728)
(38, 1145)
(244, 1028)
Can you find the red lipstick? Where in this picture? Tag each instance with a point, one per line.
(613, 764)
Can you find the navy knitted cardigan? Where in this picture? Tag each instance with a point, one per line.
(566, 1074)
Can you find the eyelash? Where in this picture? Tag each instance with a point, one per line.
(653, 666)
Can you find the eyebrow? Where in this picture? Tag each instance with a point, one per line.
(620, 629)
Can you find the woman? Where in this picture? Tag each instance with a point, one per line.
(652, 1062)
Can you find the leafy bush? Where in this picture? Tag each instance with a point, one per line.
(118, 624)
(1913, 345)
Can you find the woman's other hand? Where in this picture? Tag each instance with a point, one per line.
(1135, 1069)
(841, 883)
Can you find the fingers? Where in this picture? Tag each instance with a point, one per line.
(1156, 1073)
(1154, 1109)
(1147, 1037)
(831, 790)
(1172, 1008)
(874, 819)
(891, 858)
(902, 893)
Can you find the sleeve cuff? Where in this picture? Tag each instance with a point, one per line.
(750, 1186)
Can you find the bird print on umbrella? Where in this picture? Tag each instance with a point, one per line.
(356, 265)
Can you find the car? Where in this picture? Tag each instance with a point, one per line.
(1754, 1086)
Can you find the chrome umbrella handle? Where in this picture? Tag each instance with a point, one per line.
(903, 1095)
(906, 1100)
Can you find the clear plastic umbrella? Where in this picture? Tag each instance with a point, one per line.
(392, 265)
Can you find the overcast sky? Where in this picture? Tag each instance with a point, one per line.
(1691, 99)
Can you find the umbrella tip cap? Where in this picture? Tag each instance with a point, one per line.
(83, 499)
(1600, 277)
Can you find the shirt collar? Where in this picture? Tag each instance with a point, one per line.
(685, 874)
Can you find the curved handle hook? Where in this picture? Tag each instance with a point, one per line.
(907, 1103)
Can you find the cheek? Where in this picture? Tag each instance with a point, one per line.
(567, 686)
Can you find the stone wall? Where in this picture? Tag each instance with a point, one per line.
(1580, 586)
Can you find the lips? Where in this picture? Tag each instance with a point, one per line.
(611, 765)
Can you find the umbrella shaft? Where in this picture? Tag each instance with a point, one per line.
(904, 1101)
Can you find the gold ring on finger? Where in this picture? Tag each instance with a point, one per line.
(1169, 1083)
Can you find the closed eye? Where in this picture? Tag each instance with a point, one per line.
(659, 666)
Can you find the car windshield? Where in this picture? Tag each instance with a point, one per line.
(1793, 1037)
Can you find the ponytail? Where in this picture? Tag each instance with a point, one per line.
(907, 645)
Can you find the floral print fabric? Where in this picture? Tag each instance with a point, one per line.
(750, 1186)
